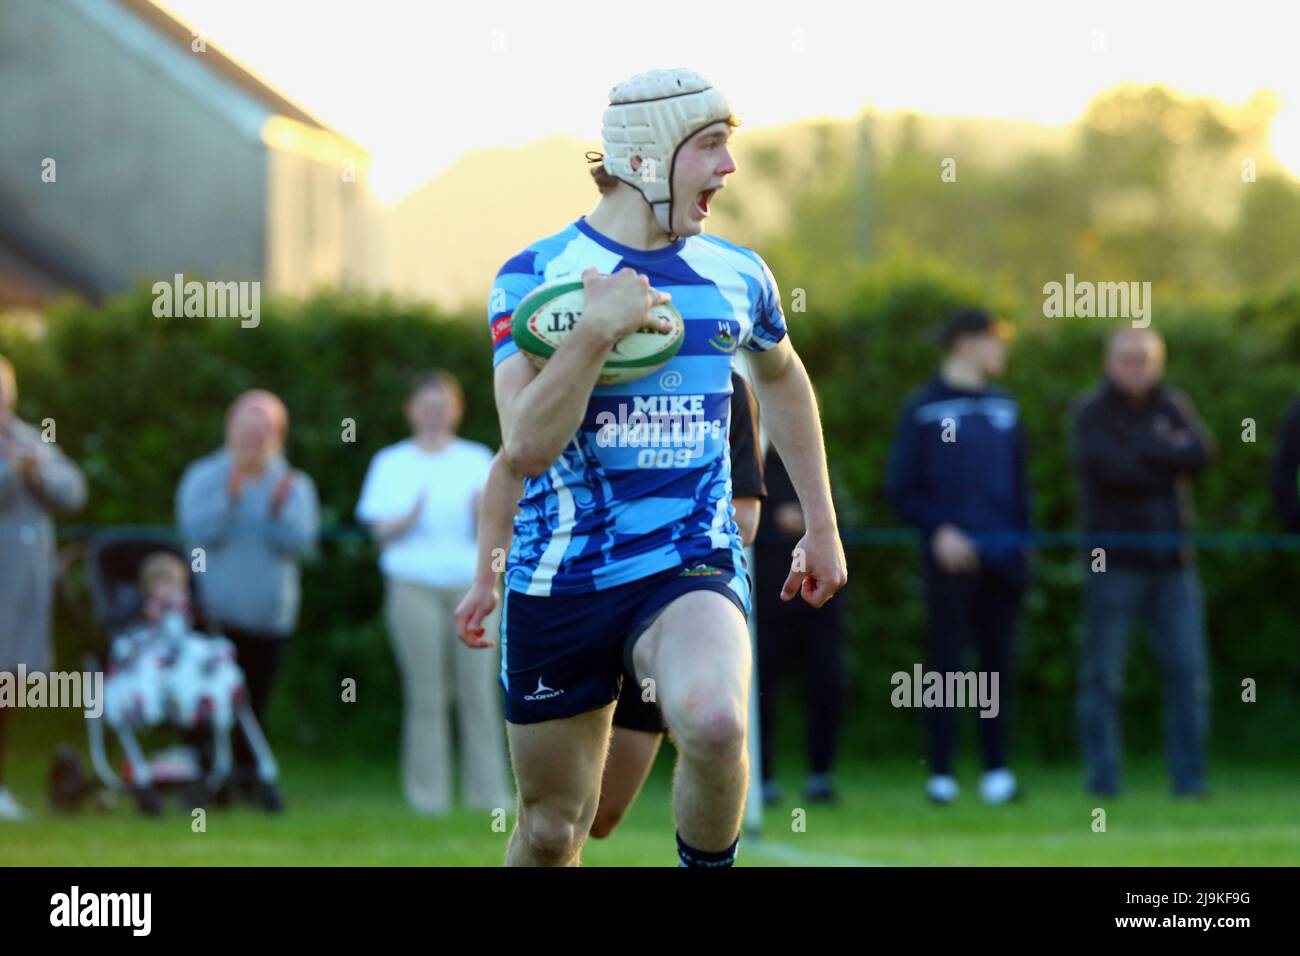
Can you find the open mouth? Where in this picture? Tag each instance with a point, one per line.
(702, 201)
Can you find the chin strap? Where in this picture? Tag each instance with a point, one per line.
(593, 157)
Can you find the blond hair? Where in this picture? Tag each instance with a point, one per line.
(163, 567)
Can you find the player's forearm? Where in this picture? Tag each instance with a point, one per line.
(747, 514)
(496, 518)
(549, 409)
(790, 417)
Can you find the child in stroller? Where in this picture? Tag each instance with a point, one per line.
(163, 671)
(160, 670)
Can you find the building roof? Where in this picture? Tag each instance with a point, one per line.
(182, 34)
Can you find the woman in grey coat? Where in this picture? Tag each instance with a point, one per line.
(36, 479)
(255, 518)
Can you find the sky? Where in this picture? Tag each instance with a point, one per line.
(420, 82)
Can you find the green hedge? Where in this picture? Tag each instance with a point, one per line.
(136, 398)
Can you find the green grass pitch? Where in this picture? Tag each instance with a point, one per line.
(351, 813)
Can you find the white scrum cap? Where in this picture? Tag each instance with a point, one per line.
(650, 116)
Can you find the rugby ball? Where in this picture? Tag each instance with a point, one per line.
(550, 312)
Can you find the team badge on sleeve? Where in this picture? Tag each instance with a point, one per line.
(501, 328)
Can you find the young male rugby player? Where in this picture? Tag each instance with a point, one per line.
(619, 563)
(639, 728)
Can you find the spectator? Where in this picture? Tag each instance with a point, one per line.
(1137, 443)
(958, 474)
(36, 479)
(794, 630)
(256, 518)
(420, 499)
(161, 668)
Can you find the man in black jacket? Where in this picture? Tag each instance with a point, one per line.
(1137, 443)
(958, 473)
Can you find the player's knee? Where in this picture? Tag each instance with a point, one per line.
(710, 730)
(550, 832)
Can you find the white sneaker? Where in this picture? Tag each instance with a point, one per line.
(941, 788)
(998, 786)
(11, 809)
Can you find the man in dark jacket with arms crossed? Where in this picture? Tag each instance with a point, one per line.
(1138, 442)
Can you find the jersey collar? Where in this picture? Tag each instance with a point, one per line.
(627, 252)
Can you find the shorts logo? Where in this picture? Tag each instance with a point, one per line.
(700, 571)
(501, 329)
(543, 692)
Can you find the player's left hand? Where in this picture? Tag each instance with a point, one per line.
(479, 601)
(818, 568)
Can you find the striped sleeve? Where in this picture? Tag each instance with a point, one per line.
(768, 318)
(514, 280)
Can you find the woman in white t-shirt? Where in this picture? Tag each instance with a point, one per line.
(420, 500)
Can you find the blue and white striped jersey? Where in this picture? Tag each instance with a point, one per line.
(645, 483)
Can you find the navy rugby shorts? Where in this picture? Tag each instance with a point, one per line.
(565, 655)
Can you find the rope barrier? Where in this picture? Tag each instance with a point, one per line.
(854, 537)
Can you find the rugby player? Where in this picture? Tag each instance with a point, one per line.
(622, 560)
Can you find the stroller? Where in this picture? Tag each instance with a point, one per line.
(165, 674)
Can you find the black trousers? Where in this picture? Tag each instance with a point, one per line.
(964, 609)
(259, 656)
(809, 638)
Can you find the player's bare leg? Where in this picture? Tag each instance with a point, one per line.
(697, 651)
(631, 755)
(558, 765)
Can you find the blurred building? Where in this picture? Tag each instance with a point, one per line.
(131, 148)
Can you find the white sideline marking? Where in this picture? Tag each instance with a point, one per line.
(792, 854)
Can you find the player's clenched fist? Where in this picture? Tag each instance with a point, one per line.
(818, 569)
(619, 304)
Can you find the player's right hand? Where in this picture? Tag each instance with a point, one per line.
(619, 304)
(479, 601)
